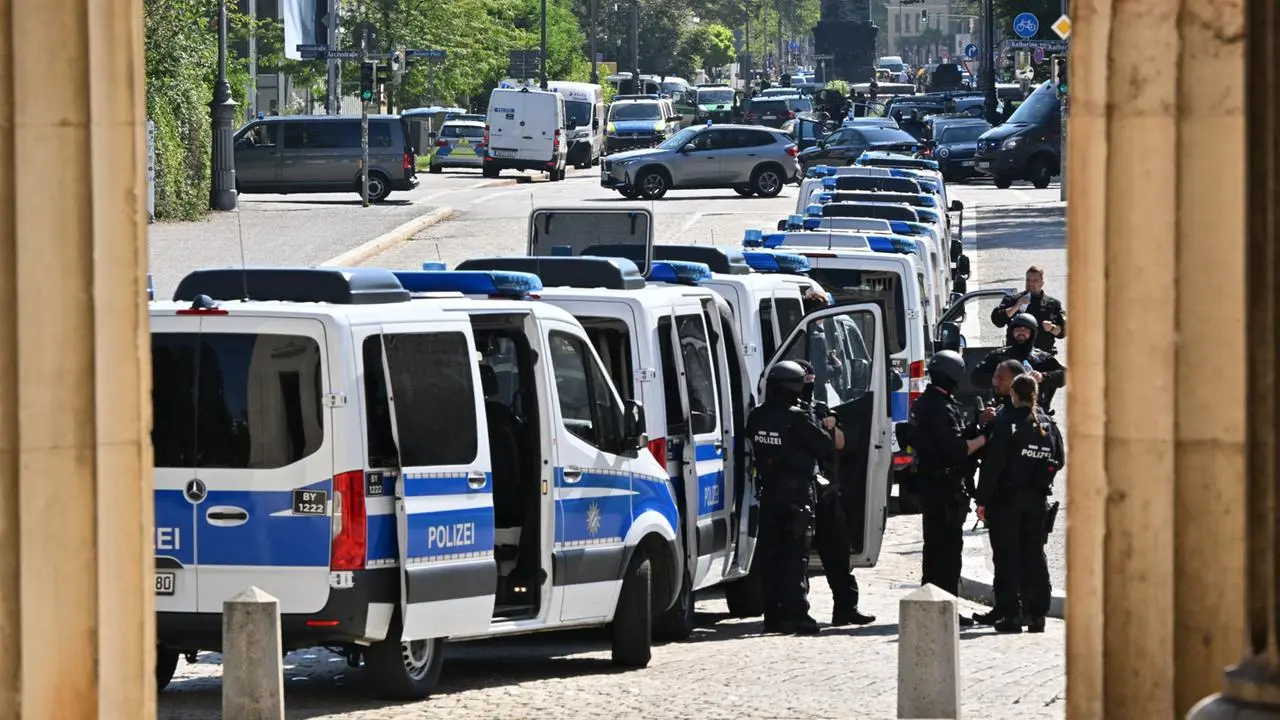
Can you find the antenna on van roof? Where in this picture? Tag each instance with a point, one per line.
(244, 270)
(438, 257)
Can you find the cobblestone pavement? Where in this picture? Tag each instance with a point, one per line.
(726, 670)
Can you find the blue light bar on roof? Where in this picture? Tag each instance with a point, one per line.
(812, 223)
(902, 227)
(434, 266)
(777, 262)
(829, 183)
(775, 240)
(679, 272)
(927, 215)
(471, 282)
(752, 237)
(820, 171)
(813, 210)
(824, 197)
(151, 288)
(795, 222)
(884, 243)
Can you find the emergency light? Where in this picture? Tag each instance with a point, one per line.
(777, 262)
(795, 222)
(927, 215)
(434, 266)
(813, 211)
(812, 223)
(891, 244)
(471, 282)
(679, 272)
(829, 183)
(820, 171)
(906, 228)
(752, 237)
(825, 197)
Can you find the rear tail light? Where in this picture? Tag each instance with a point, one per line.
(751, 117)
(408, 161)
(658, 448)
(442, 143)
(555, 142)
(349, 522)
(791, 114)
(792, 150)
(915, 381)
(486, 136)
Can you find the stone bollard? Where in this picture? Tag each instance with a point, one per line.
(928, 655)
(252, 658)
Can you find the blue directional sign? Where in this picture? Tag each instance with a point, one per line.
(971, 51)
(794, 46)
(1026, 25)
(434, 54)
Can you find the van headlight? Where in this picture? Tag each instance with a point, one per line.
(1009, 144)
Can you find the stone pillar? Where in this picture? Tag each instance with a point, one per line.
(1157, 381)
(76, 607)
(1251, 688)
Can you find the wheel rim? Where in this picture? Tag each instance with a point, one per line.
(417, 657)
(768, 182)
(654, 184)
(375, 187)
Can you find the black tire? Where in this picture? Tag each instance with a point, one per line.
(767, 181)
(404, 671)
(1040, 173)
(1004, 183)
(743, 191)
(653, 184)
(746, 596)
(379, 187)
(677, 622)
(632, 627)
(435, 169)
(489, 172)
(166, 666)
(629, 193)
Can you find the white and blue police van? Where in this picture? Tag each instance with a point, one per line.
(397, 472)
(852, 272)
(929, 181)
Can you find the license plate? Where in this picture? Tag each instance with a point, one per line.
(503, 153)
(984, 165)
(310, 502)
(768, 117)
(166, 582)
(966, 163)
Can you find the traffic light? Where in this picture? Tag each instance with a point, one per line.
(383, 74)
(924, 17)
(1060, 75)
(366, 82)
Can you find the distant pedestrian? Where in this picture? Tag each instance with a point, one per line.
(1050, 316)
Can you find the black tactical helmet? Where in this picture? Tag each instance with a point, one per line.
(947, 364)
(787, 377)
(1024, 320)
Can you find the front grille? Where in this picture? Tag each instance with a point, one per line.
(986, 145)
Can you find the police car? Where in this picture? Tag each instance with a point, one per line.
(929, 181)
(397, 471)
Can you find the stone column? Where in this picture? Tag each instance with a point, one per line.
(1250, 688)
(76, 607)
(1157, 381)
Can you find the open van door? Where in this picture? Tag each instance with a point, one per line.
(444, 495)
(846, 346)
(966, 327)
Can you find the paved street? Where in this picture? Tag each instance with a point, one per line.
(728, 669)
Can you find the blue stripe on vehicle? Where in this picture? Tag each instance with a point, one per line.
(450, 532)
(707, 451)
(175, 531)
(710, 492)
(431, 485)
(899, 405)
(264, 540)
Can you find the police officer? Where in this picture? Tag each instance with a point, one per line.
(1018, 469)
(1049, 373)
(787, 442)
(831, 529)
(943, 442)
(1048, 312)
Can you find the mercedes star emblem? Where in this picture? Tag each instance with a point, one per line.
(196, 490)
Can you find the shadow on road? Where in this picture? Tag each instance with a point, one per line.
(1022, 227)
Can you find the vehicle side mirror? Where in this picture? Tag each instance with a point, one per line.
(957, 206)
(962, 266)
(686, 149)
(244, 143)
(948, 336)
(595, 123)
(633, 427)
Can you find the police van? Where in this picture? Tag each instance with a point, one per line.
(397, 472)
(929, 181)
(854, 274)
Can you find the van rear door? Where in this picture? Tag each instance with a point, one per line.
(175, 348)
(444, 495)
(539, 121)
(845, 345)
(506, 123)
(263, 482)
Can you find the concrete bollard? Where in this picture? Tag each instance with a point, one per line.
(928, 655)
(252, 658)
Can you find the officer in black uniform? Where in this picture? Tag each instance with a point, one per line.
(1018, 468)
(1051, 317)
(1049, 373)
(942, 441)
(787, 442)
(831, 529)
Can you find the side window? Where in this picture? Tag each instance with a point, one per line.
(293, 135)
(377, 409)
(431, 372)
(790, 312)
(700, 380)
(379, 134)
(587, 403)
(670, 390)
(839, 348)
(174, 368)
(766, 328)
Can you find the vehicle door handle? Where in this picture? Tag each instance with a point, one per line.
(572, 474)
(719, 446)
(751, 154)
(225, 516)
(476, 480)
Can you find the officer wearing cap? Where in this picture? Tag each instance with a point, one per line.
(1049, 373)
(831, 529)
(942, 441)
(1019, 465)
(787, 442)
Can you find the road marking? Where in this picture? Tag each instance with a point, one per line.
(425, 199)
(1024, 197)
(492, 196)
(694, 218)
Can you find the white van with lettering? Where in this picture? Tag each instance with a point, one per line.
(398, 472)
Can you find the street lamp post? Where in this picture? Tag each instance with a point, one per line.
(542, 76)
(595, 57)
(222, 112)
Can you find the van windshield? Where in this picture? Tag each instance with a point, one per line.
(635, 111)
(1037, 108)
(579, 111)
(851, 286)
(237, 401)
(715, 97)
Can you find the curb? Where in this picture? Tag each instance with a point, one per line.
(387, 240)
(976, 579)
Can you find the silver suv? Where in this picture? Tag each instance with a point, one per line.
(750, 159)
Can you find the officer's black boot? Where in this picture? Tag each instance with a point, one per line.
(1009, 625)
(1035, 625)
(987, 618)
(846, 613)
(806, 626)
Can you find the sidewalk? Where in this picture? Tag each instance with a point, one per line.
(975, 577)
